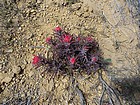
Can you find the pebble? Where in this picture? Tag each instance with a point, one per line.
(39, 1)
(23, 95)
(85, 9)
(16, 69)
(23, 66)
(6, 91)
(22, 25)
(35, 18)
(22, 81)
(32, 11)
(1, 66)
(29, 36)
(86, 14)
(79, 13)
(9, 51)
(19, 28)
(1, 76)
(76, 6)
(25, 62)
(29, 66)
(31, 73)
(7, 79)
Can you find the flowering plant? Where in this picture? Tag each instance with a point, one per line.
(70, 53)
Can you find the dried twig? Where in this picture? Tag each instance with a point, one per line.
(81, 95)
(78, 91)
(110, 92)
(101, 98)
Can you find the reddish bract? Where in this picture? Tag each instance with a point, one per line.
(72, 60)
(48, 39)
(78, 39)
(94, 59)
(36, 60)
(89, 39)
(58, 29)
(67, 38)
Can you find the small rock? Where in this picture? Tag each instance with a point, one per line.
(32, 11)
(65, 80)
(76, 6)
(23, 95)
(7, 79)
(23, 66)
(19, 28)
(16, 69)
(25, 62)
(79, 13)
(35, 18)
(29, 66)
(39, 1)
(22, 25)
(9, 51)
(4, 100)
(86, 14)
(28, 36)
(22, 81)
(1, 76)
(31, 73)
(6, 91)
(1, 66)
(85, 9)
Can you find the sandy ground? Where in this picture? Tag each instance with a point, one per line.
(26, 24)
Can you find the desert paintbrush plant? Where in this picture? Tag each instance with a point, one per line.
(70, 53)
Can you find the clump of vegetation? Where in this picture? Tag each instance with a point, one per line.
(70, 53)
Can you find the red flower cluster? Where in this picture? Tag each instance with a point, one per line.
(94, 59)
(58, 29)
(48, 40)
(78, 39)
(67, 38)
(70, 52)
(36, 60)
(89, 39)
(72, 60)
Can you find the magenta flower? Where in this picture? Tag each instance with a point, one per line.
(78, 39)
(58, 29)
(94, 59)
(48, 39)
(89, 39)
(72, 60)
(36, 60)
(67, 38)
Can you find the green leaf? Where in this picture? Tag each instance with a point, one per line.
(48, 47)
(47, 35)
(108, 60)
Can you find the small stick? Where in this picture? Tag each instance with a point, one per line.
(29, 101)
(109, 90)
(101, 98)
(79, 92)
(81, 95)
